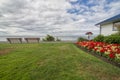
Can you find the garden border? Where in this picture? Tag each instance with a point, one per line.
(98, 56)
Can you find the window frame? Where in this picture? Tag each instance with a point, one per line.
(113, 27)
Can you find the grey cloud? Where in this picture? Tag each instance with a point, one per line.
(13, 6)
(3, 32)
(48, 17)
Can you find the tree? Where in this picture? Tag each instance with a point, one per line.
(89, 34)
(49, 38)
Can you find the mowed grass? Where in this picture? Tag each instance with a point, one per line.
(52, 61)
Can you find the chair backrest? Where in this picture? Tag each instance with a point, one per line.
(14, 40)
(32, 40)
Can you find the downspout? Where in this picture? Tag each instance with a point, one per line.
(100, 29)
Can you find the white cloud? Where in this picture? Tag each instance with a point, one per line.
(2, 30)
(72, 0)
(2, 2)
(43, 17)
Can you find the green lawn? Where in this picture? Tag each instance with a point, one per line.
(52, 61)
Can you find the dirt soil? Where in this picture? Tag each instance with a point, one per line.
(5, 51)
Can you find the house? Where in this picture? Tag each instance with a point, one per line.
(14, 40)
(108, 26)
(32, 40)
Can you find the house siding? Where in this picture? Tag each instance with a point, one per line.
(107, 29)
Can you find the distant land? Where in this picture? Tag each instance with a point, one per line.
(63, 38)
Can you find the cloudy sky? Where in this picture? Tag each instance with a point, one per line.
(56, 17)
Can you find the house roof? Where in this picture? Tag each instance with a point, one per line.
(110, 20)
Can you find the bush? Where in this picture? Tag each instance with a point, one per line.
(112, 39)
(99, 38)
(49, 38)
(115, 34)
(82, 39)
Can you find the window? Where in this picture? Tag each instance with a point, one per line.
(115, 25)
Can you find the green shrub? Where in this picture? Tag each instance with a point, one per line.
(49, 38)
(99, 38)
(82, 39)
(112, 39)
(115, 34)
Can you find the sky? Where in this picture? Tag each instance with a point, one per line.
(55, 17)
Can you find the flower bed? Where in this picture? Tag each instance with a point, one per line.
(110, 51)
